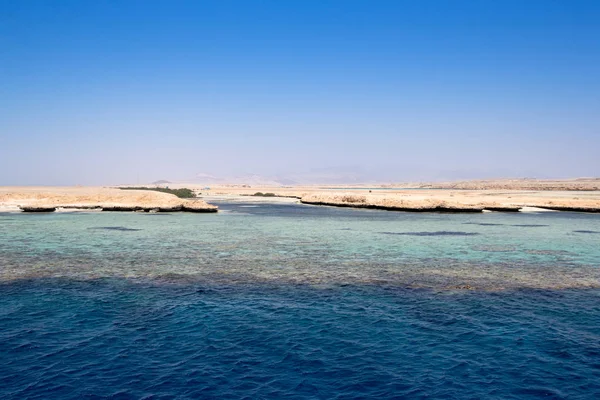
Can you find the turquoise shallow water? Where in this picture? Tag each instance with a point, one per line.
(250, 243)
(272, 301)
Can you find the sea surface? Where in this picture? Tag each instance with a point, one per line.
(271, 301)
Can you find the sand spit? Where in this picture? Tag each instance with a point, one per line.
(391, 204)
(49, 199)
(419, 200)
(442, 204)
(458, 204)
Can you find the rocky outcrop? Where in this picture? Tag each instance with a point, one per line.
(101, 199)
(395, 208)
(188, 206)
(122, 208)
(572, 208)
(503, 208)
(195, 206)
(390, 204)
(198, 207)
(465, 203)
(38, 209)
(80, 207)
(164, 208)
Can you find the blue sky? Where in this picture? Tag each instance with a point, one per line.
(106, 92)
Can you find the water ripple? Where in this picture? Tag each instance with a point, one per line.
(286, 303)
(106, 338)
(436, 233)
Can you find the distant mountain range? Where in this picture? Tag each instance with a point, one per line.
(349, 175)
(322, 176)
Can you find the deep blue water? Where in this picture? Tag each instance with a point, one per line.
(118, 336)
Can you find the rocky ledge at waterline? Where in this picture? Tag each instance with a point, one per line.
(571, 208)
(195, 206)
(442, 205)
(37, 209)
(391, 204)
(412, 205)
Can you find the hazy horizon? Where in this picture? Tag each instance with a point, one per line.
(103, 93)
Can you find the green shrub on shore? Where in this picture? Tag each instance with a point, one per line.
(261, 194)
(183, 193)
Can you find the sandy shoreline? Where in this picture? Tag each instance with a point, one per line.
(449, 200)
(46, 199)
(359, 196)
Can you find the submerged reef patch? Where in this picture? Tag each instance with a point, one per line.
(482, 224)
(529, 225)
(436, 233)
(494, 248)
(115, 228)
(548, 252)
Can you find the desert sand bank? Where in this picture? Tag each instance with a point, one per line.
(448, 200)
(381, 197)
(44, 199)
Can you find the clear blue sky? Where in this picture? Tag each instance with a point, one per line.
(103, 92)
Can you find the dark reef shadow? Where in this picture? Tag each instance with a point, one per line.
(115, 228)
(437, 233)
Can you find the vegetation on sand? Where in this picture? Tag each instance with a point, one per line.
(183, 193)
(261, 194)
